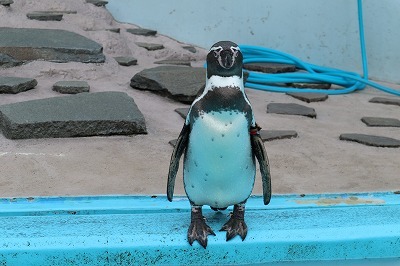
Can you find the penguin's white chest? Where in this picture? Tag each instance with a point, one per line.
(219, 167)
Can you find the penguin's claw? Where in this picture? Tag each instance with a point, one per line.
(199, 230)
(235, 227)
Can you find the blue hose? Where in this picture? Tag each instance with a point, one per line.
(315, 74)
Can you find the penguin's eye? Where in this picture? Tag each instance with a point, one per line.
(235, 50)
(217, 51)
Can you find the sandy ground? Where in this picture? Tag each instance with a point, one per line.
(315, 162)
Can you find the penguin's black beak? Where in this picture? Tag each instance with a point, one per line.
(226, 59)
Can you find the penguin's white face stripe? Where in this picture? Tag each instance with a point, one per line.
(235, 50)
(217, 54)
(218, 49)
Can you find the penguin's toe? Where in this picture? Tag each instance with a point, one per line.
(235, 227)
(199, 230)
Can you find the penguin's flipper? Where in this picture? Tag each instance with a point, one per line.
(175, 157)
(259, 151)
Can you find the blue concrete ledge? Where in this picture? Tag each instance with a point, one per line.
(142, 230)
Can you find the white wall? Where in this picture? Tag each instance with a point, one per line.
(318, 31)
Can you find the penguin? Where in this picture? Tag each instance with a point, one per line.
(220, 141)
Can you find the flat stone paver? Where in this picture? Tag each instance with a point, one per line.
(176, 82)
(143, 32)
(182, 112)
(381, 122)
(291, 109)
(68, 12)
(99, 3)
(309, 97)
(85, 114)
(390, 101)
(45, 16)
(270, 67)
(26, 45)
(299, 85)
(71, 86)
(269, 135)
(8, 61)
(177, 62)
(190, 48)
(126, 60)
(16, 84)
(371, 140)
(150, 46)
(6, 2)
(115, 30)
(173, 142)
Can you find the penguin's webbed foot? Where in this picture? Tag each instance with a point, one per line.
(236, 224)
(198, 229)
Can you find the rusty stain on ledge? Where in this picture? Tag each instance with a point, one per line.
(336, 201)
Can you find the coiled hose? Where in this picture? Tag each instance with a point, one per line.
(349, 81)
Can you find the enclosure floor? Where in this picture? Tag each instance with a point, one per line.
(314, 162)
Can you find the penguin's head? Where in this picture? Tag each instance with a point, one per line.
(224, 59)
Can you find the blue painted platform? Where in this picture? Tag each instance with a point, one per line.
(143, 230)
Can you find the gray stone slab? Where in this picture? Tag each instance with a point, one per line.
(25, 45)
(8, 61)
(115, 30)
(176, 82)
(71, 86)
(45, 16)
(270, 67)
(126, 60)
(68, 12)
(321, 86)
(245, 76)
(97, 2)
(178, 62)
(390, 101)
(16, 84)
(269, 135)
(190, 48)
(173, 142)
(371, 140)
(182, 112)
(309, 97)
(150, 46)
(6, 2)
(380, 121)
(291, 109)
(308, 85)
(143, 32)
(85, 114)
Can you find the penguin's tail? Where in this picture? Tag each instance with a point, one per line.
(218, 209)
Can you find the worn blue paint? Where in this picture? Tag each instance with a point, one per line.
(139, 230)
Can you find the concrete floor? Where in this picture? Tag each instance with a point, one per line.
(315, 162)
